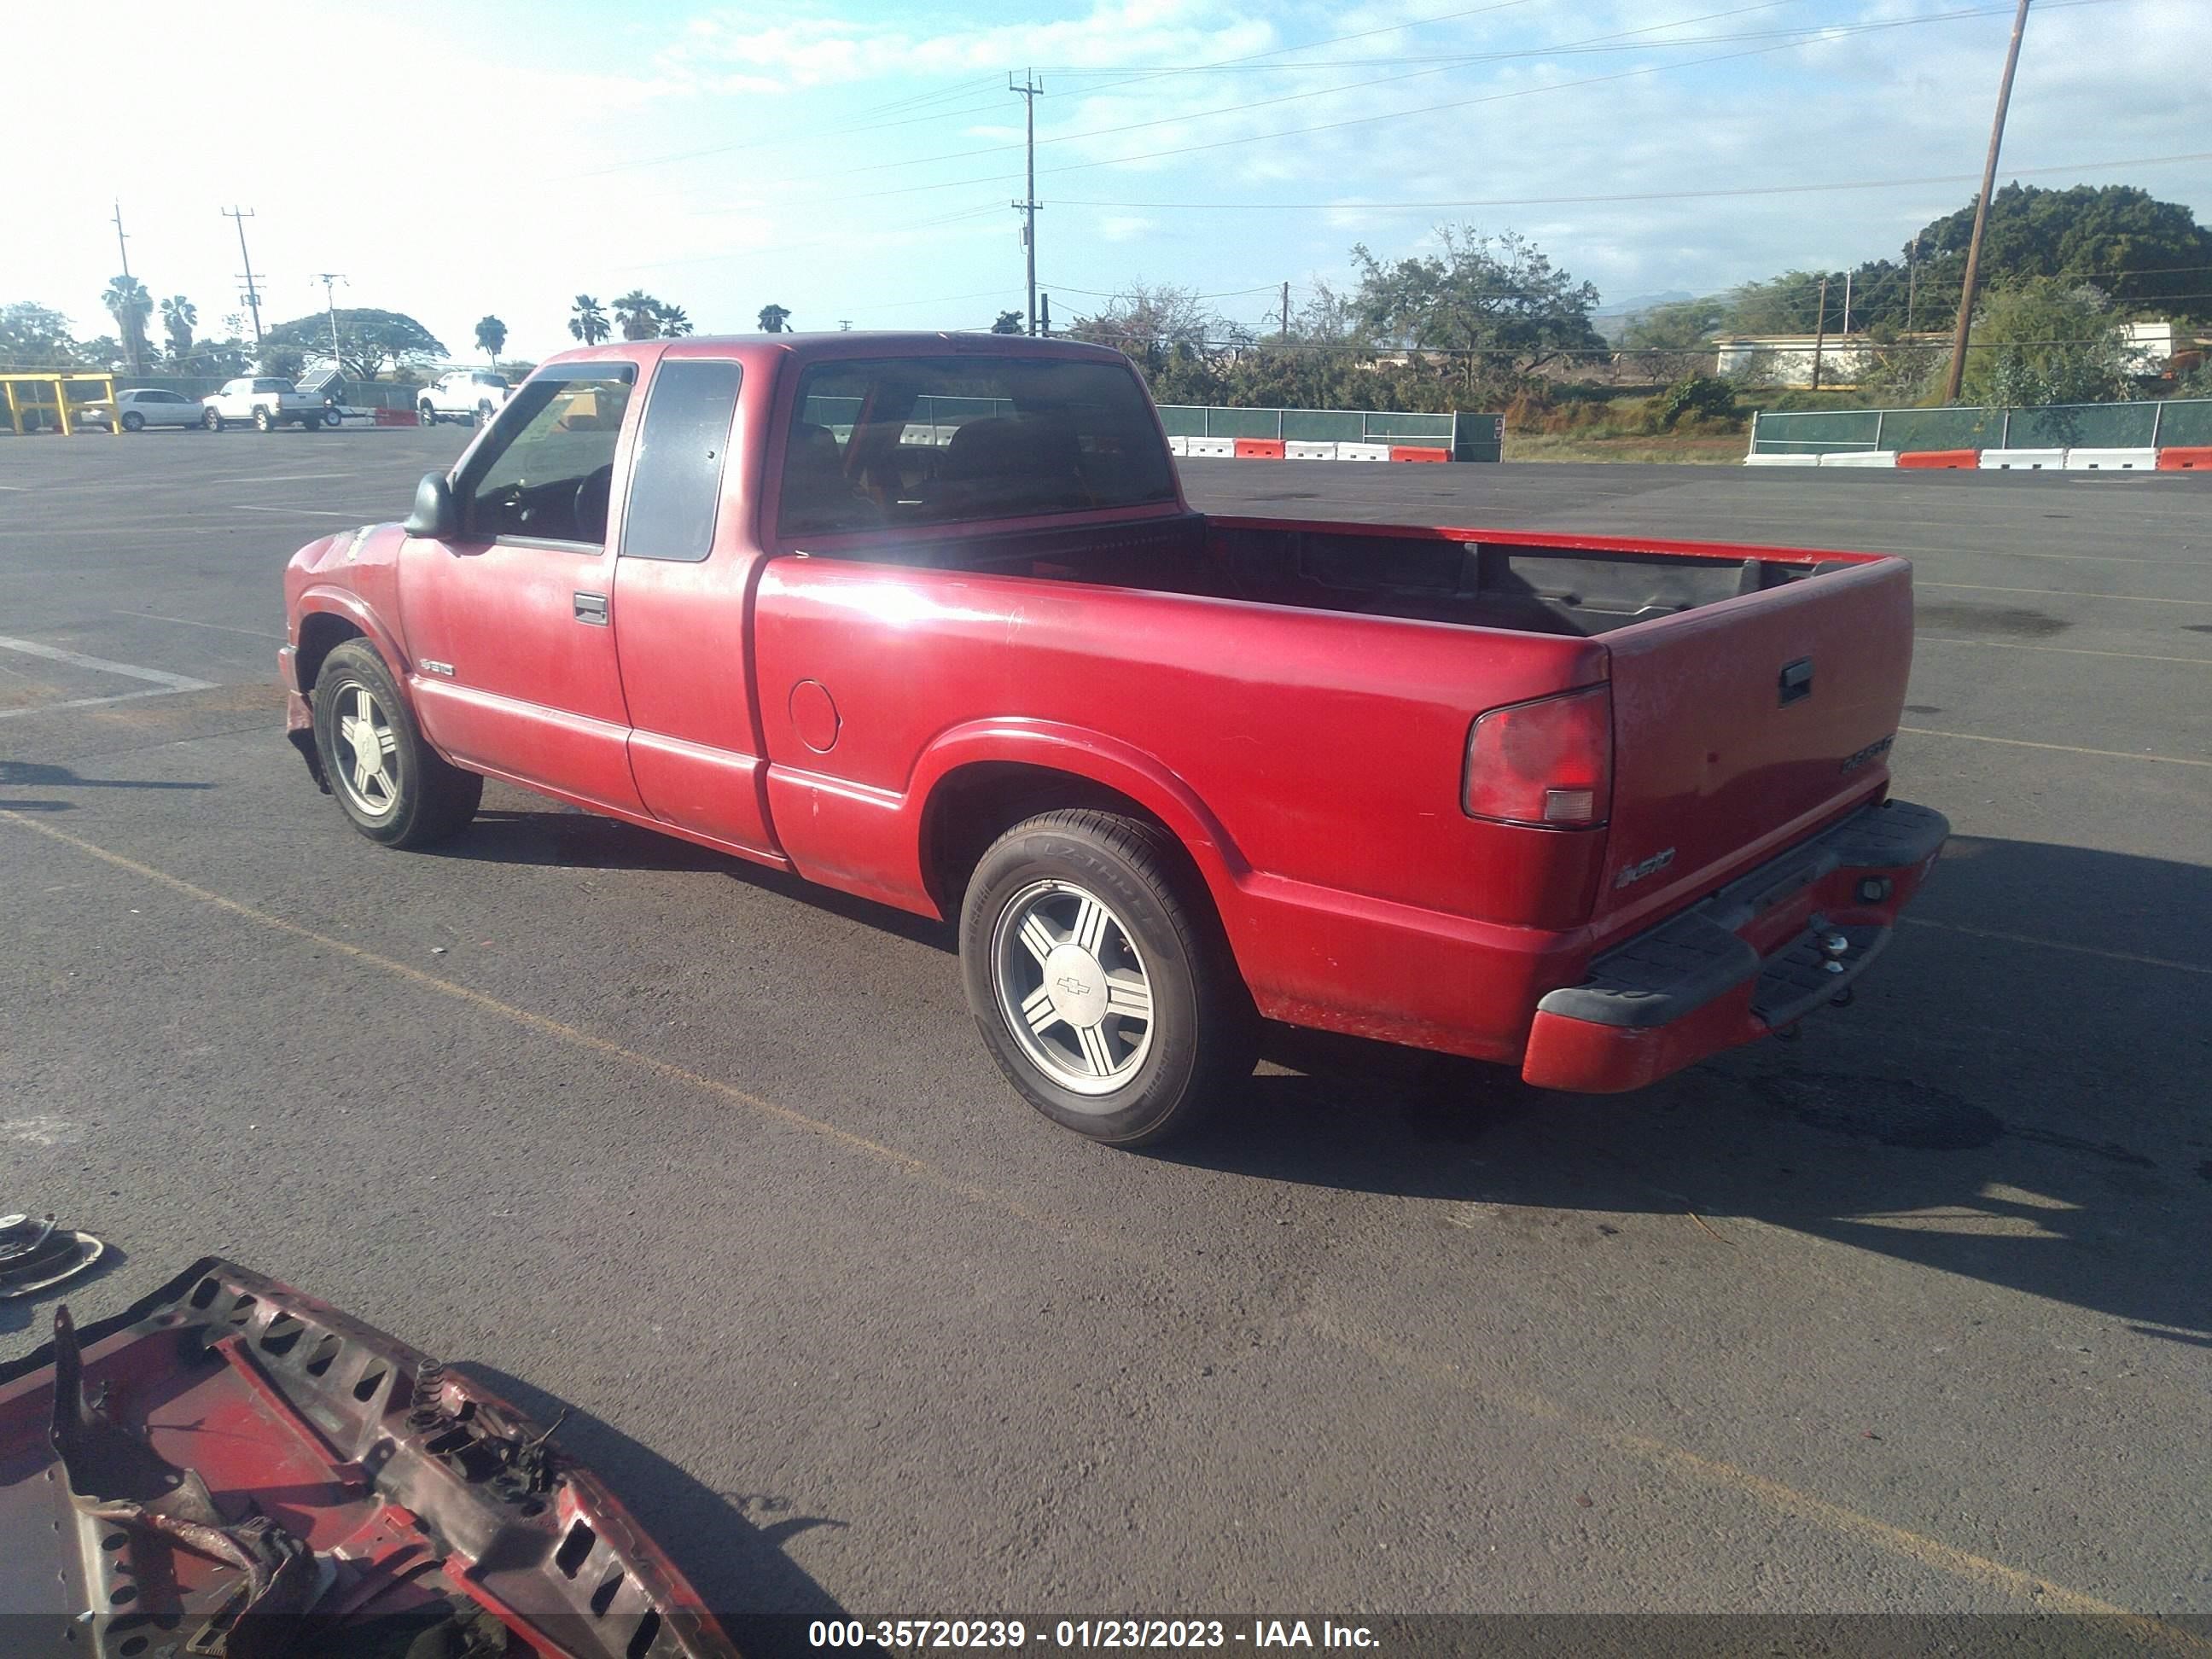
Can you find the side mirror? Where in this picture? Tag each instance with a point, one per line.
(435, 514)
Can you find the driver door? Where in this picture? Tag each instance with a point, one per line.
(510, 624)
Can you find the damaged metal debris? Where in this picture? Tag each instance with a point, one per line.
(38, 1256)
(230, 1468)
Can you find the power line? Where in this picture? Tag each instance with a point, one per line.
(1661, 195)
(1430, 109)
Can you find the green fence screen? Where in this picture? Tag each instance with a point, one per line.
(2177, 423)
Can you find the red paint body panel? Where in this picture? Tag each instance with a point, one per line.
(803, 705)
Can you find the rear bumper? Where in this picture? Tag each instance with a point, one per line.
(1752, 959)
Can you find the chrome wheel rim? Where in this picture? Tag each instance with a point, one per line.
(367, 746)
(1073, 988)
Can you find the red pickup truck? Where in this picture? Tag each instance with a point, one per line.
(928, 619)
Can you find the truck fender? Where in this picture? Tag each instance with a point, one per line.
(335, 601)
(1099, 759)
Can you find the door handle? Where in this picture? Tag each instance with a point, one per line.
(1796, 680)
(591, 608)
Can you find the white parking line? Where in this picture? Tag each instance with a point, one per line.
(92, 702)
(159, 677)
(186, 622)
(308, 512)
(274, 477)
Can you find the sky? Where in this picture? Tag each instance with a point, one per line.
(854, 160)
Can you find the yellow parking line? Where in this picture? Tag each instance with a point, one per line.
(2060, 650)
(2047, 1596)
(553, 1028)
(2060, 944)
(2057, 592)
(2062, 748)
(1656, 1454)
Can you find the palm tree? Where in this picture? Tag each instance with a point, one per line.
(775, 320)
(588, 322)
(491, 339)
(638, 314)
(180, 317)
(674, 323)
(128, 302)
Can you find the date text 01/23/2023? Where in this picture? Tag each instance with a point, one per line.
(1087, 1634)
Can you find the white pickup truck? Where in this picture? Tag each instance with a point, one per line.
(265, 400)
(464, 394)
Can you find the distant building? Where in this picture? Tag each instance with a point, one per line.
(1787, 359)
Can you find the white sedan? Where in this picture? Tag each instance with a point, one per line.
(141, 407)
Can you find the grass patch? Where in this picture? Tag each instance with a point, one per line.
(1723, 449)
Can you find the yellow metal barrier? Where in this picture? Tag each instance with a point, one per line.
(21, 404)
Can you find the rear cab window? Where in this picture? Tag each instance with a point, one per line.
(884, 444)
(547, 466)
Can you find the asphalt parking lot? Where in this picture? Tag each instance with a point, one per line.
(1911, 1315)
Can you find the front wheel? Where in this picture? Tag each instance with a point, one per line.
(1099, 980)
(211, 421)
(395, 788)
(425, 414)
(484, 414)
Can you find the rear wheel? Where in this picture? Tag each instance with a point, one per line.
(264, 421)
(313, 422)
(1098, 978)
(395, 788)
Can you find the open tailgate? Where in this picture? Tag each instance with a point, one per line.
(1743, 724)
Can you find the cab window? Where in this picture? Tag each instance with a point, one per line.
(547, 465)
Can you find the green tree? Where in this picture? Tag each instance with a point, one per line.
(1788, 304)
(588, 322)
(2046, 340)
(1008, 322)
(491, 338)
(639, 314)
(775, 320)
(1496, 298)
(674, 322)
(130, 305)
(279, 358)
(2137, 249)
(367, 340)
(1670, 341)
(1169, 332)
(180, 317)
(35, 337)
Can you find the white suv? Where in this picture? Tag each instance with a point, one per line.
(470, 393)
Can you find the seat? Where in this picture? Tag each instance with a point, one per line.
(816, 496)
(1013, 457)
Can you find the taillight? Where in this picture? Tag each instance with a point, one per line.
(1548, 761)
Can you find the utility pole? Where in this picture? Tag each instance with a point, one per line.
(131, 330)
(1030, 91)
(1820, 333)
(253, 295)
(1044, 315)
(328, 278)
(1951, 382)
(1912, 280)
(1847, 305)
(1286, 310)
(844, 325)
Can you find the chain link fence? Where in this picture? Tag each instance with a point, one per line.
(2174, 423)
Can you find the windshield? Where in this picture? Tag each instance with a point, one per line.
(880, 444)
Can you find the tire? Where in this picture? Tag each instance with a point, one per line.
(264, 421)
(133, 420)
(485, 413)
(416, 797)
(313, 422)
(1115, 920)
(211, 421)
(424, 413)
